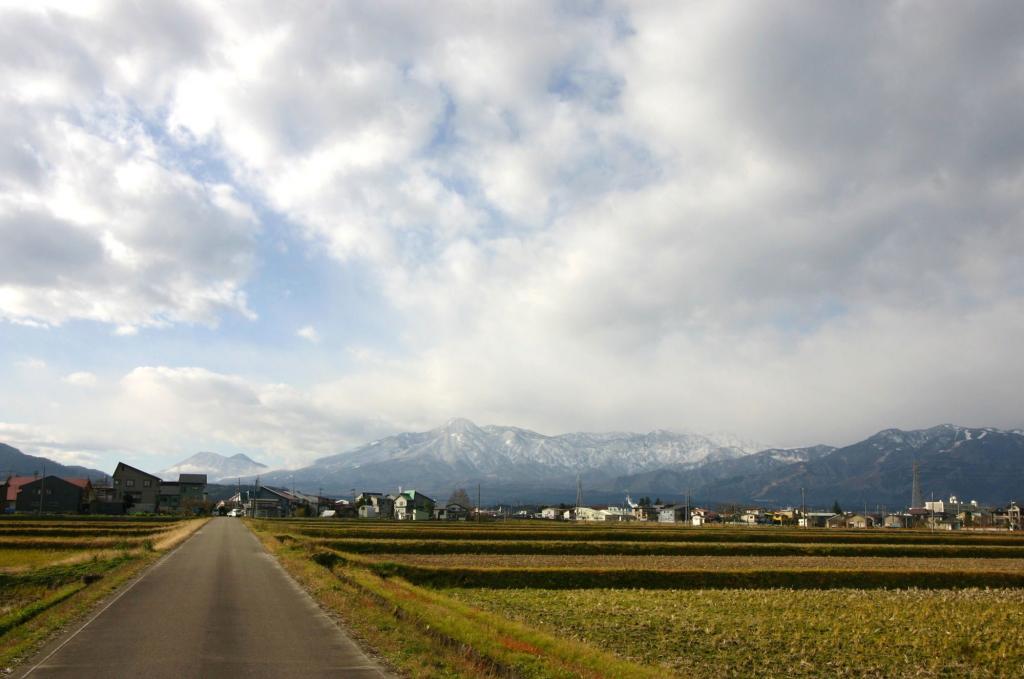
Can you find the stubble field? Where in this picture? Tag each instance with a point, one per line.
(557, 600)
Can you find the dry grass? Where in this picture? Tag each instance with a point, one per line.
(174, 537)
(711, 563)
(784, 633)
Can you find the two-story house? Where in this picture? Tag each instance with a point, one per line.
(54, 495)
(411, 505)
(137, 491)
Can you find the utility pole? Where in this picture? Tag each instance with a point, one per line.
(42, 489)
(803, 507)
(478, 503)
(579, 496)
(686, 506)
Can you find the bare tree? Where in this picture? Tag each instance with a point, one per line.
(461, 497)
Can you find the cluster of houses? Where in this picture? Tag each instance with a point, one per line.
(128, 491)
(949, 514)
(405, 505)
(133, 491)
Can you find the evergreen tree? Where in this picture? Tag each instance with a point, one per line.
(836, 509)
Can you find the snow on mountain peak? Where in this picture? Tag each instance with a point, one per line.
(215, 466)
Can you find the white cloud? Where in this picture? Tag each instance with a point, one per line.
(81, 379)
(796, 225)
(308, 333)
(100, 218)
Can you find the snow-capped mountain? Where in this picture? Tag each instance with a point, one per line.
(513, 464)
(462, 453)
(216, 467)
(980, 463)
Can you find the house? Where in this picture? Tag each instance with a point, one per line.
(673, 514)
(186, 495)
(375, 506)
(617, 514)
(452, 511)
(137, 491)
(860, 521)
(701, 516)
(897, 521)
(784, 517)
(271, 502)
(268, 502)
(583, 514)
(752, 517)
(551, 513)
(1013, 517)
(411, 505)
(11, 487)
(54, 495)
(343, 509)
(815, 519)
(917, 516)
(837, 521)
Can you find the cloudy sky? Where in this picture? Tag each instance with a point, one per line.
(287, 228)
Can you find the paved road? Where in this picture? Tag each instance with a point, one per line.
(219, 606)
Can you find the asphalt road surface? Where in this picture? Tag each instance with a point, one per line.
(219, 606)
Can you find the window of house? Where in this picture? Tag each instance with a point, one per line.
(129, 482)
(146, 483)
(117, 482)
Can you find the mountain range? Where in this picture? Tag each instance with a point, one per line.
(513, 464)
(16, 463)
(217, 467)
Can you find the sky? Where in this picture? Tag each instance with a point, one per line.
(286, 229)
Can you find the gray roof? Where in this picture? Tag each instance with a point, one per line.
(192, 478)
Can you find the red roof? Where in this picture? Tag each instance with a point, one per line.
(81, 483)
(14, 484)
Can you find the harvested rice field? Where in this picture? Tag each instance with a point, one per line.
(730, 563)
(783, 633)
(550, 600)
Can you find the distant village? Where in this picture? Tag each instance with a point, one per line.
(133, 491)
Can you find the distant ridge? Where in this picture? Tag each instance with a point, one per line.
(514, 464)
(13, 461)
(216, 467)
